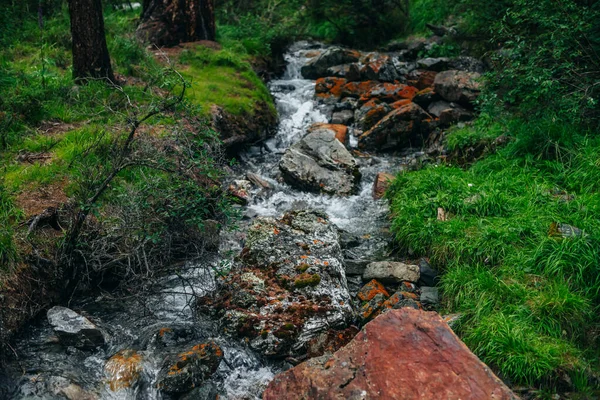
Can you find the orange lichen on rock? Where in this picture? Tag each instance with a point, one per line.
(341, 131)
(372, 289)
(198, 352)
(123, 369)
(330, 87)
(400, 103)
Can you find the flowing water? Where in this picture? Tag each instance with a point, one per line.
(45, 368)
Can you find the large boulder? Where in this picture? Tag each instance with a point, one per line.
(183, 372)
(318, 66)
(389, 92)
(449, 113)
(73, 329)
(403, 354)
(320, 163)
(397, 129)
(458, 86)
(291, 287)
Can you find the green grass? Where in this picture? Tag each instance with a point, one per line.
(529, 298)
(37, 88)
(223, 77)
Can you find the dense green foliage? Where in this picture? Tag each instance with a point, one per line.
(529, 295)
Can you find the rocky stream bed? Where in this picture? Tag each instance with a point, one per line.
(309, 267)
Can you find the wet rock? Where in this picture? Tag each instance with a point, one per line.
(345, 117)
(305, 290)
(183, 372)
(428, 276)
(208, 391)
(397, 129)
(382, 183)
(458, 86)
(73, 329)
(370, 290)
(320, 163)
(351, 72)
(340, 131)
(389, 271)
(173, 335)
(434, 64)
(370, 113)
(53, 387)
(123, 370)
(318, 66)
(432, 363)
(429, 296)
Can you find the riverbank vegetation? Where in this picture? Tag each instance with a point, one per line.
(516, 233)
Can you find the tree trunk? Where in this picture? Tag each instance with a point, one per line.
(170, 22)
(90, 54)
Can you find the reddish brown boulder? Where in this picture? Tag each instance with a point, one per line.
(422, 79)
(382, 182)
(402, 354)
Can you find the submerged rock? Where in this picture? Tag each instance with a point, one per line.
(291, 287)
(402, 354)
(183, 372)
(320, 163)
(123, 370)
(73, 329)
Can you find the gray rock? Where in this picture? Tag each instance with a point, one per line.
(348, 103)
(389, 271)
(298, 258)
(73, 329)
(320, 163)
(429, 276)
(318, 67)
(345, 117)
(356, 267)
(434, 64)
(430, 296)
(349, 71)
(371, 113)
(458, 86)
